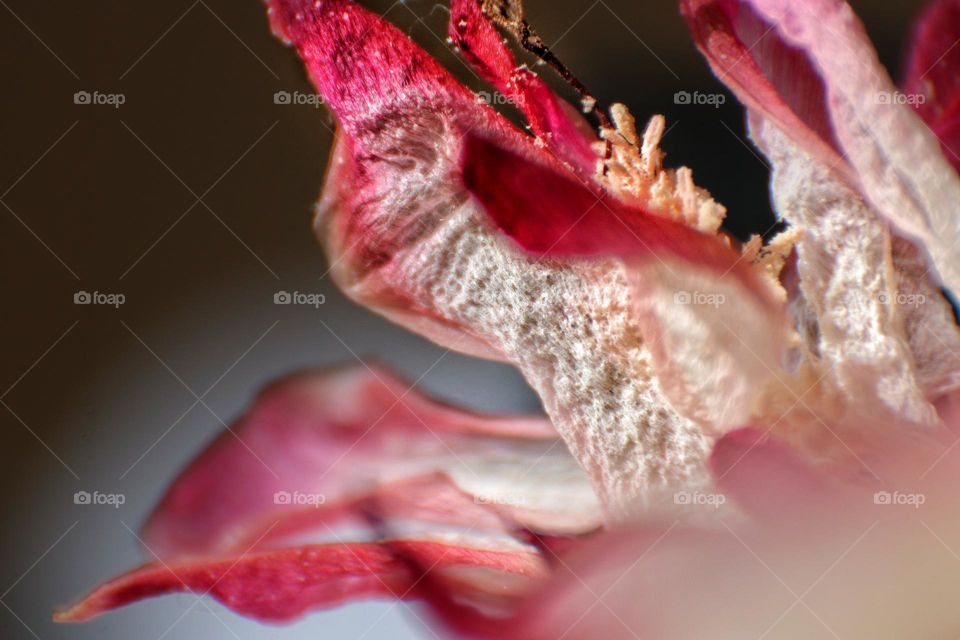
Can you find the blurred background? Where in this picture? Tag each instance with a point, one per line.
(187, 196)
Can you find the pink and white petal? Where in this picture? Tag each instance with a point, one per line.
(694, 298)
(932, 76)
(398, 536)
(562, 129)
(402, 232)
(884, 148)
(280, 585)
(381, 87)
(313, 445)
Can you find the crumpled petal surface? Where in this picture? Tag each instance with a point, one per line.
(276, 504)
(847, 277)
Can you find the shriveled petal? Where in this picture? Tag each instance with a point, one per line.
(772, 52)
(714, 331)
(314, 445)
(563, 130)
(932, 76)
(405, 237)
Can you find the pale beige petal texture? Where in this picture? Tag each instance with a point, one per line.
(848, 281)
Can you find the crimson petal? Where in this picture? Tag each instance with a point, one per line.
(549, 213)
(280, 585)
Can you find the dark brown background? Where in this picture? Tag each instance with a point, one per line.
(104, 199)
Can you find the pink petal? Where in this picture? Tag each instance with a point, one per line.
(281, 585)
(339, 436)
(564, 131)
(354, 453)
(933, 73)
(764, 475)
(388, 95)
(771, 53)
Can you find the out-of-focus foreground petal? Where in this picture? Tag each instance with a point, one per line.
(342, 434)
(277, 503)
(932, 79)
(814, 558)
(809, 67)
